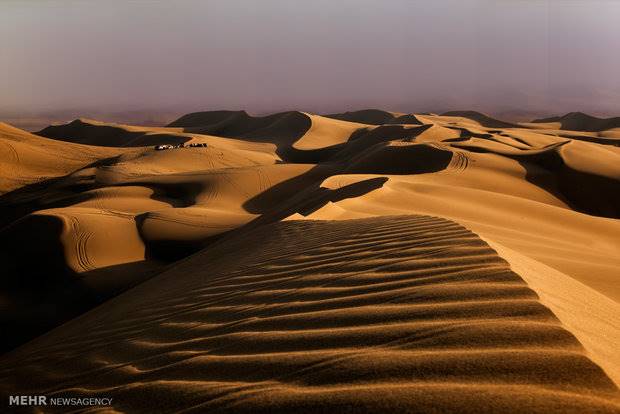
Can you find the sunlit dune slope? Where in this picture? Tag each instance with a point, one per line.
(27, 158)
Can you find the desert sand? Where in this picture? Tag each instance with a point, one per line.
(366, 261)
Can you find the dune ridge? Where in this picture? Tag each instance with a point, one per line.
(593, 318)
(311, 319)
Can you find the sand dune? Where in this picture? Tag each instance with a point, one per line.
(111, 135)
(380, 314)
(482, 119)
(578, 121)
(26, 158)
(377, 117)
(315, 263)
(299, 137)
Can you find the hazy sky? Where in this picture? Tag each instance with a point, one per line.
(316, 55)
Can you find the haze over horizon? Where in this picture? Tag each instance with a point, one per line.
(532, 56)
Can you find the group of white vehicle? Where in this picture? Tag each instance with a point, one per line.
(162, 147)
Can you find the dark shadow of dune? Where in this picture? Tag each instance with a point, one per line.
(594, 194)
(312, 156)
(375, 117)
(83, 132)
(400, 159)
(586, 192)
(484, 120)
(32, 311)
(597, 140)
(200, 119)
(407, 119)
(364, 116)
(40, 291)
(33, 264)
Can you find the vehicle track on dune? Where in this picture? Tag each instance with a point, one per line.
(80, 248)
(12, 159)
(460, 161)
(13, 155)
(10, 156)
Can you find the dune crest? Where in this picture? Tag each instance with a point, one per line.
(593, 318)
(376, 117)
(311, 318)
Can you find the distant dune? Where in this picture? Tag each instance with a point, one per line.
(366, 261)
(481, 119)
(86, 131)
(578, 121)
(377, 117)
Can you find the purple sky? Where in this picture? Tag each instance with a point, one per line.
(316, 55)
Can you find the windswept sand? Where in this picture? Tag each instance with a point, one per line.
(360, 262)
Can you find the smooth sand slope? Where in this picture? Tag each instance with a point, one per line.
(394, 314)
(253, 232)
(27, 158)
